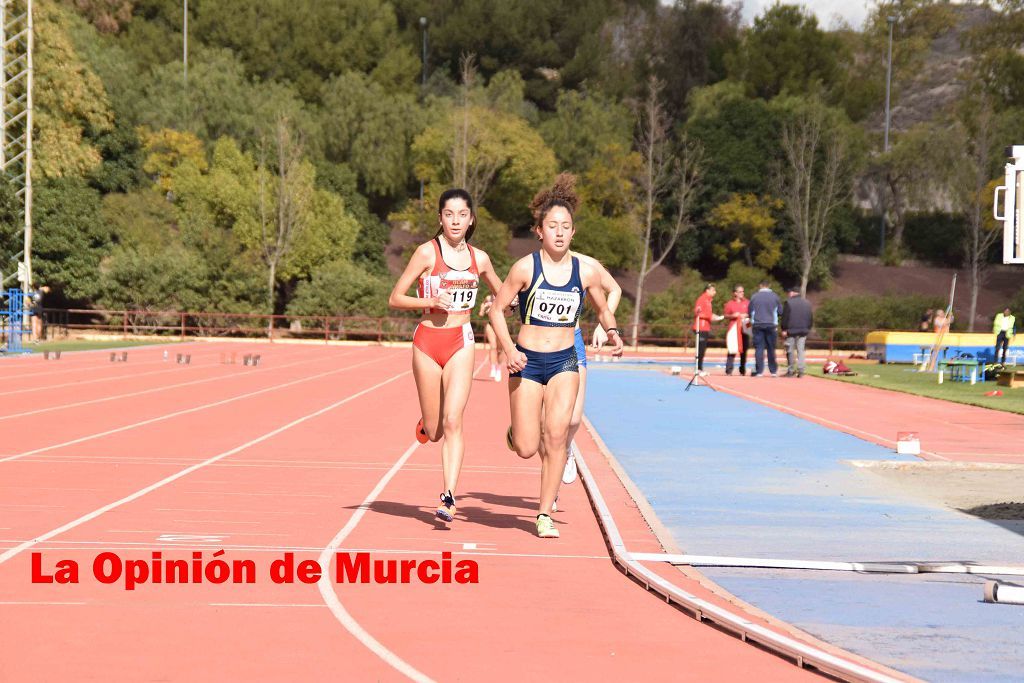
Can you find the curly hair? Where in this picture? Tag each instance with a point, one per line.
(561, 193)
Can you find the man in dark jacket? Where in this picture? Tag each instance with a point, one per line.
(797, 321)
(764, 318)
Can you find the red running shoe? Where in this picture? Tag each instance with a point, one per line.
(421, 435)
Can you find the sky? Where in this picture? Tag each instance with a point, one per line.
(853, 11)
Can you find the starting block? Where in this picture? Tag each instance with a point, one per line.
(227, 358)
(119, 357)
(676, 369)
(184, 359)
(251, 359)
(47, 356)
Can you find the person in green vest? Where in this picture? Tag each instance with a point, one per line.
(1003, 328)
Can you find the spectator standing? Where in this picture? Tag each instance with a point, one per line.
(1004, 328)
(926, 321)
(703, 317)
(797, 321)
(736, 314)
(36, 298)
(764, 320)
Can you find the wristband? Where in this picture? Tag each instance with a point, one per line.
(613, 329)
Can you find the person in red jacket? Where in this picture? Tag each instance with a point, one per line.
(703, 317)
(737, 337)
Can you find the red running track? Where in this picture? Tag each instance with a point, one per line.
(309, 452)
(948, 431)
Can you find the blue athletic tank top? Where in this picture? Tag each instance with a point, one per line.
(546, 305)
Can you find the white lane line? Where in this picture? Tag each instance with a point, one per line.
(32, 602)
(186, 411)
(327, 588)
(115, 397)
(250, 512)
(265, 604)
(64, 371)
(331, 597)
(188, 470)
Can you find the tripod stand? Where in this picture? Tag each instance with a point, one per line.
(698, 379)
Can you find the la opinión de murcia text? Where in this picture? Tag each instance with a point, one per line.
(358, 567)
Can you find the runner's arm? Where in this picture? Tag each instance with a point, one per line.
(420, 262)
(592, 283)
(518, 279)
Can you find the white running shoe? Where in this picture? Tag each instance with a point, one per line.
(570, 471)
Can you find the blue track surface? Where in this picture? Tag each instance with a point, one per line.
(731, 477)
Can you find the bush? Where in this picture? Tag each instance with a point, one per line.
(741, 274)
(341, 288)
(670, 313)
(889, 312)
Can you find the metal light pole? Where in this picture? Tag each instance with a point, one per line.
(423, 28)
(885, 144)
(184, 61)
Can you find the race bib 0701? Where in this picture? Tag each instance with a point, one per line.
(555, 307)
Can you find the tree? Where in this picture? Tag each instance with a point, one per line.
(371, 130)
(71, 238)
(913, 171)
(812, 182)
(282, 217)
(141, 218)
(661, 175)
(552, 45)
(748, 222)
(692, 39)
(69, 100)
(272, 210)
(583, 126)
(496, 156)
(918, 23)
(785, 51)
(975, 160)
(106, 15)
(995, 44)
(221, 100)
(167, 149)
(304, 42)
(744, 135)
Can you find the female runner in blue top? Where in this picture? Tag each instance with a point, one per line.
(543, 367)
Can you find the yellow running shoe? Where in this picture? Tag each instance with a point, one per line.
(508, 439)
(546, 527)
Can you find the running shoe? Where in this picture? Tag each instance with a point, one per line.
(569, 473)
(508, 439)
(554, 505)
(446, 510)
(421, 435)
(546, 527)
